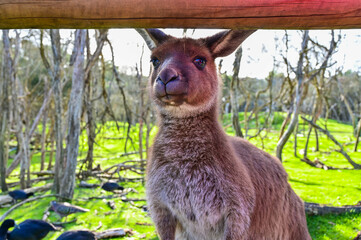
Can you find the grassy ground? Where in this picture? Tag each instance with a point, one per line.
(334, 187)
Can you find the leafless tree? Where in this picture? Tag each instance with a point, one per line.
(120, 84)
(234, 84)
(20, 123)
(4, 107)
(317, 78)
(80, 73)
(305, 75)
(358, 133)
(54, 72)
(89, 98)
(74, 112)
(298, 96)
(43, 132)
(141, 108)
(20, 119)
(22, 109)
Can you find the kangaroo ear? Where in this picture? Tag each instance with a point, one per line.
(153, 37)
(224, 43)
(157, 36)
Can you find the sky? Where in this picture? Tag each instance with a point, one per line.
(259, 50)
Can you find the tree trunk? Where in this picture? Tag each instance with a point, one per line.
(88, 104)
(285, 122)
(317, 141)
(21, 111)
(74, 114)
(234, 92)
(20, 119)
(141, 90)
(315, 115)
(23, 157)
(307, 141)
(90, 123)
(348, 106)
(56, 81)
(357, 135)
(295, 132)
(297, 101)
(91, 59)
(52, 141)
(245, 114)
(4, 108)
(43, 133)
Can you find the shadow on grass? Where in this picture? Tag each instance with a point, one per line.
(305, 182)
(342, 226)
(321, 184)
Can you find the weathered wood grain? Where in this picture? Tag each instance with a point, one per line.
(264, 14)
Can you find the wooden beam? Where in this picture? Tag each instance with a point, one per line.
(256, 14)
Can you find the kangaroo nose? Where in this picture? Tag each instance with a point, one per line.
(167, 75)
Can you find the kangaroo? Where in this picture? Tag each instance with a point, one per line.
(201, 183)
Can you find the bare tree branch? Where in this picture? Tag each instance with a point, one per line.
(328, 134)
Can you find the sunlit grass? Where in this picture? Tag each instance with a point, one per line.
(334, 187)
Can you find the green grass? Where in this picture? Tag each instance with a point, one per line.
(333, 227)
(334, 187)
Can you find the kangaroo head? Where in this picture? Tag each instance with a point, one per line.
(184, 81)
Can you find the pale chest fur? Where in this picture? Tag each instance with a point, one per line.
(183, 178)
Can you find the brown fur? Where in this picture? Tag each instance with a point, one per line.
(201, 183)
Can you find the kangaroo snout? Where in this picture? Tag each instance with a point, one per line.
(167, 75)
(169, 87)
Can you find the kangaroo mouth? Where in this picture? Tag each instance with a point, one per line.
(173, 100)
(173, 93)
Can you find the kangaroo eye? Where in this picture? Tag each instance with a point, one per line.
(200, 62)
(155, 61)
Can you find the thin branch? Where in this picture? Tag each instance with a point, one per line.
(42, 54)
(126, 107)
(100, 43)
(23, 202)
(328, 134)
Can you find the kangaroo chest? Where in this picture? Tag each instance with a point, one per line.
(183, 177)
